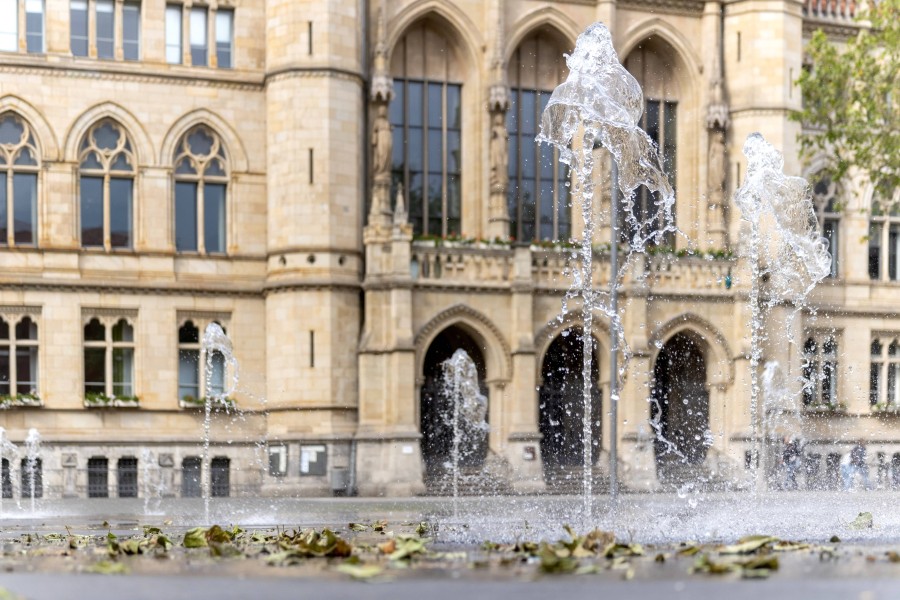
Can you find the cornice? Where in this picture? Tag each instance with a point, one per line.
(672, 7)
(139, 75)
(310, 72)
(9, 309)
(839, 30)
(160, 290)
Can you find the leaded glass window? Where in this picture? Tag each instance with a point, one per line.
(106, 187)
(19, 169)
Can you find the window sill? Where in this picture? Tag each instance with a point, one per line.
(825, 409)
(20, 401)
(887, 410)
(104, 401)
(216, 403)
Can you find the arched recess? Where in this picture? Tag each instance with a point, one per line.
(234, 148)
(47, 144)
(143, 147)
(549, 332)
(680, 405)
(549, 17)
(497, 354)
(720, 360)
(657, 27)
(460, 26)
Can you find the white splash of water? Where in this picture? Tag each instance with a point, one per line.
(468, 413)
(601, 102)
(793, 255)
(32, 456)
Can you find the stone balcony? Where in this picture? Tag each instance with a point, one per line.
(490, 267)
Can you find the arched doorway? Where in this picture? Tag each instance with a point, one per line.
(561, 407)
(436, 407)
(680, 406)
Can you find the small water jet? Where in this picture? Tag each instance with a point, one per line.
(32, 458)
(466, 414)
(219, 359)
(793, 257)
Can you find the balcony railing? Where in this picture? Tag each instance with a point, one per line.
(830, 9)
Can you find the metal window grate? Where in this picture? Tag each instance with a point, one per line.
(32, 478)
(128, 477)
(190, 477)
(98, 478)
(7, 480)
(220, 468)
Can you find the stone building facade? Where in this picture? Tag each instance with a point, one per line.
(351, 190)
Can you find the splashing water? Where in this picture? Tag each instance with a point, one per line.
(10, 452)
(219, 356)
(32, 456)
(793, 255)
(468, 415)
(601, 103)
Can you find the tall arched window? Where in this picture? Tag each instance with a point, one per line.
(427, 120)
(201, 183)
(538, 196)
(18, 182)
(106, 189)
(652, 64)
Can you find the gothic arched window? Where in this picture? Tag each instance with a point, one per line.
(201, 184)
(106, 187)
(538, 196)
(651, 63)
(18, 182)
(427, 120)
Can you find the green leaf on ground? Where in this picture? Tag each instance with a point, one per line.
(108, 567)
(748, 545)
(195, 538)
(552, 563)
(360, 571)
(358, 527)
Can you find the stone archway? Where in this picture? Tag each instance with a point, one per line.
(561, 408)
(680, 406)
(435, 407)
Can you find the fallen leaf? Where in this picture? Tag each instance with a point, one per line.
(108, 567)
(360, 571)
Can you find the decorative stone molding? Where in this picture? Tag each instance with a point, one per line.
(202, 315)
(714, 340)
(20, 310)
(128, 313)
(462, 313)
(692, 8)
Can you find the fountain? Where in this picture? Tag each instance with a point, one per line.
(32, 456)
(601, 103)
(219, 355)
(467, 413)
(793, 258)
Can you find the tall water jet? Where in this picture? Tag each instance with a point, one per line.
(601, 103)
(10, 453)
(32, 456)
(467, 412)
(219, 359)
(793, 256)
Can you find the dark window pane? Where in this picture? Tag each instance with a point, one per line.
(120, 217)
(874, 383)
(3, 214)
(127, 475)
(188, 334)
(435, 151)
(131, 30)
(11, 129)
(454, 152)
(527, 115)
(454, 116)
(185, 217)
(188, 373)
(26, 329)
(26, 369)
(78, 27)
(106, 136)
(651, 118)
(875, 251)
(547, 165)
(198, 39)
(454, 204)
(435, 105)
(528, 149)
(122, 331)
(415, 106)
(830, 229)
(395, 110)
(95, 370)
(414, 150)
(7, 479)
(547, 210)
(123, 371)
(893, 243)
(105, 28)
(224, 36)
(91, 211)
(34, 25)
(214, 217)
(91, 161)
(94, 331)
(4, 369)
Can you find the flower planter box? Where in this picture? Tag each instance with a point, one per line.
(20, 401)
(104, 401)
